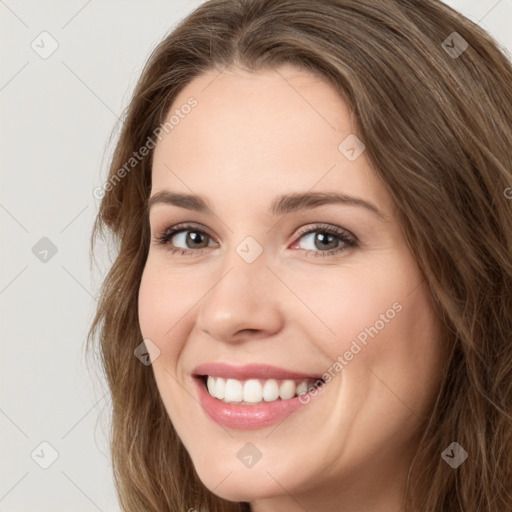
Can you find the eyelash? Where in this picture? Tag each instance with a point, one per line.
(348, 240)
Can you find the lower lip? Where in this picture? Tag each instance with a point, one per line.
(245, 417)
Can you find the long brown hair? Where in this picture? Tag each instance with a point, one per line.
(435, 116)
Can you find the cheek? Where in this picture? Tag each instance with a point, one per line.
(161, 310)
(150, 318)
(162, 318)
(377, 319)
(358, 304)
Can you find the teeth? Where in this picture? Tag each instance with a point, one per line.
(233, 391)
(287, 390)
(254, 391)
(302, 387)
(210, 384)
(270, 390)
(220, 388)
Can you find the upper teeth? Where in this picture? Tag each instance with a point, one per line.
(255, 390)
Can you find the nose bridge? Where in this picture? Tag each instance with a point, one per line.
(243, 295)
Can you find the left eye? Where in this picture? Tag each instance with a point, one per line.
(321, 240)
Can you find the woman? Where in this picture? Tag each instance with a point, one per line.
(310, 308)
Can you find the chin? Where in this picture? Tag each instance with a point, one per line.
(245, 485)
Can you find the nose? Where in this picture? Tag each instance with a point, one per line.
(244, 301)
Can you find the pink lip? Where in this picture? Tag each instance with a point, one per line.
(250, 371)
(246, 417)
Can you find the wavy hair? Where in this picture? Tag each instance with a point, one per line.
(437, 128)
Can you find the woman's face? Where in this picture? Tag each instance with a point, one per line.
(276, 284)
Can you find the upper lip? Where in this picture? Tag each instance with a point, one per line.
(249, 371)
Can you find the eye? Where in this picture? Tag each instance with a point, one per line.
(321, 240)
(184, 234)
(325, 240)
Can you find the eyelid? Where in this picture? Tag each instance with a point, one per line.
(184, 226)
(312, 226)
(331, 228)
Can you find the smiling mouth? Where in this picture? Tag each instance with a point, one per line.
(252, 396)
(257, 391)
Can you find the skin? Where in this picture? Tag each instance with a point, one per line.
(254, 136)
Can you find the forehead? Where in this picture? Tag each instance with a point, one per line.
(268, 131)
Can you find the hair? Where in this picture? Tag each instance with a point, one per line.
(437, 131)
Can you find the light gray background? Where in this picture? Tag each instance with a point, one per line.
(56, 117)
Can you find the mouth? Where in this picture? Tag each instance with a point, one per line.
(255, 391)
(253, 396)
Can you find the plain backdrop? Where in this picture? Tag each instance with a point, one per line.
(57, 113)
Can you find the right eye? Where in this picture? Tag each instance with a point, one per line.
(189, 236)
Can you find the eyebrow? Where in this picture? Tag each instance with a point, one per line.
(281, 205)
